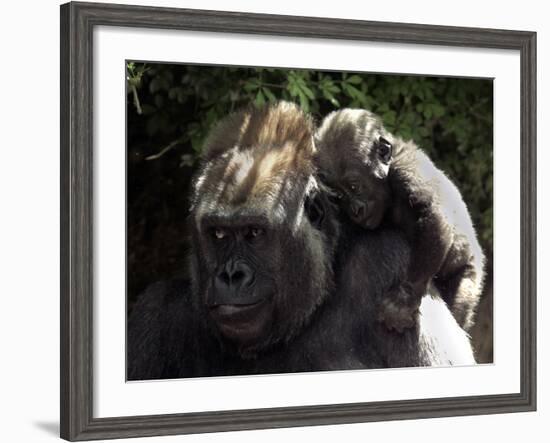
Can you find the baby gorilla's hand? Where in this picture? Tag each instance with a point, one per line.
(399, 308)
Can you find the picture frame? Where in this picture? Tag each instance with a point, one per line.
(77, 218)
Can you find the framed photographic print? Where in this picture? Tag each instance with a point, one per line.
(272, 221)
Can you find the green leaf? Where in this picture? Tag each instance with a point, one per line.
(260, 99)
(308, 92)
(428, 112)
(251, 85)
(438, 110)
(293, 89)
(331, 98)
(389, 117)
(354, 79)
(270, 96)
(304, 102)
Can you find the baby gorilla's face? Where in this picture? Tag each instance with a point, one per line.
(359, 179)
(354, 160)
(363, 196)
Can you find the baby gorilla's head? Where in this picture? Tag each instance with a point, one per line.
(354, 156)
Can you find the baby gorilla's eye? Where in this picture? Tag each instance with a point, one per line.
(219, 233)
(353, 187)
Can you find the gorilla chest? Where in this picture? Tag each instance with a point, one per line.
(315, 350)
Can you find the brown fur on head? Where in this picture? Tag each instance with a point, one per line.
(256, 158)
(270, 126)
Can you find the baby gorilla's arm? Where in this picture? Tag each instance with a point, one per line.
(430, 242)
(430, 237)
(417, 211)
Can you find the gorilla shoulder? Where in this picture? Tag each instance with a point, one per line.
(163, 312)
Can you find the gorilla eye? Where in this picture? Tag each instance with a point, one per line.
(219, 233)
(255, 232)
(384, 149)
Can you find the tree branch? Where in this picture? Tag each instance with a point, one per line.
(165, 149)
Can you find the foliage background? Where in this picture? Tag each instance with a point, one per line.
(171, 108)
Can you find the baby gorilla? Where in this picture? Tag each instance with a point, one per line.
(379, 178)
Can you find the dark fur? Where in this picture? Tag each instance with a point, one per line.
(323, 291)
(404, 189)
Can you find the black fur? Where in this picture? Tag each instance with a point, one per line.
(168, 336)
(381, 179)
(320, 292)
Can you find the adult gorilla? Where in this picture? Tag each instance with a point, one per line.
(276, 284)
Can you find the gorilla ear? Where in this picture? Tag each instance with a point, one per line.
(315, 209)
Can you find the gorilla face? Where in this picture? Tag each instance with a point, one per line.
(363, 197)
(242, 286)
(354, 160)
(259, 229)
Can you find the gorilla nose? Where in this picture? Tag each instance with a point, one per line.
(235, 275)
(359, 210)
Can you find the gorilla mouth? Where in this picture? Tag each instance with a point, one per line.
(369, 221)
(241, 322)
(234, 309)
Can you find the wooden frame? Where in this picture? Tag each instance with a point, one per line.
(77, 23)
